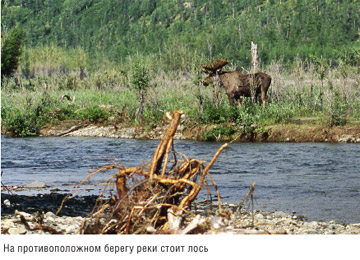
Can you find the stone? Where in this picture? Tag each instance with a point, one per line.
(329, 233)
(7, 203)
(239, 223)
(340, 229)
(332, 226)
(310, 231)
(216, 222)
(150, 229)
(17, 231)
(71, 229)
(50, 215)
(313, 224)
(346, 138)
(8, 223)
(36, 185)
(280, 214)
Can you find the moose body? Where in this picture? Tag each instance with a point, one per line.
(239, 85)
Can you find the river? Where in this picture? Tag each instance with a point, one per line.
(318, 180)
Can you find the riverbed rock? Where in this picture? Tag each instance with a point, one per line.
(7, 203)
(238, 221)
(17, 231)
(239, 224)
(279, 214)
(310, 231)
(50, 214)
(259, 216)
(345, 138)
(36, 185)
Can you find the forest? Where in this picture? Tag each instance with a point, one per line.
(107, 53)
(284, 30)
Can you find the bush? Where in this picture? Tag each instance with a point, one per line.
(276, 113)
(11, 51)
(65, 111)
(25, 120)
(214, 115)
(337, 111)
(217, 132)
(23, 124)
(93, 114)
(140, 80)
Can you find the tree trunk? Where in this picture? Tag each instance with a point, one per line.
(254, 68)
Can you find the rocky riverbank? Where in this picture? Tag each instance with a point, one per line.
(295, 132)
(35, 215)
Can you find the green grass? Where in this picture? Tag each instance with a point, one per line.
(107, 95)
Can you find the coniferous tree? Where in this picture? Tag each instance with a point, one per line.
(11, 51)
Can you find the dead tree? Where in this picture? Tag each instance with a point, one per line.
(151, 198)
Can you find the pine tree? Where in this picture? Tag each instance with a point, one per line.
(11, 51)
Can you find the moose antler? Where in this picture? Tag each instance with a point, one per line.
(214, 66)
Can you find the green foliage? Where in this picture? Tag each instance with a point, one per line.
(218, 132)
(244, 119)
(152, 116)
(276, 113)
(26, 119)
(176, 33)
(68, 83)
(140, 77)
(94, 114)
(64, 112)
(356, 111)
(131, 89)
(140, 80)
(22, 123)
(212, 114)
(11, 51)
(338, 111)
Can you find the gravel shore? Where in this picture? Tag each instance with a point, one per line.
(297, 132)
(39, 214)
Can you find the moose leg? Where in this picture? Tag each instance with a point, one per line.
(231, 99)
(263, 98)
(239, 103)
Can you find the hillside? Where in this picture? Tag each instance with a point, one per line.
(177, 29)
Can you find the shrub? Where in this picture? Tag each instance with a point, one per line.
(140, 80)
(276, 113)
(11, 51)
(28, 120)
(65, 111)
(93, 114)
(212, 114)
(337, 111)
(222, 130)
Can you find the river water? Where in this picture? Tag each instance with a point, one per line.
(318, 180)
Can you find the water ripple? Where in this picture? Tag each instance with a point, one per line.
(320, 181)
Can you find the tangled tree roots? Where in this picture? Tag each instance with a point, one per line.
(153, 198)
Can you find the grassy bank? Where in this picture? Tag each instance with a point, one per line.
(51, 86)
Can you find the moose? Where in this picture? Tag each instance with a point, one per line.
(237, 84)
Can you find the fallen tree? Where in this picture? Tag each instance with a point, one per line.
(154, 197)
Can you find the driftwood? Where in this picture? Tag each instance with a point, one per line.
(25, 217)
(72, 129)
(153, 197)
